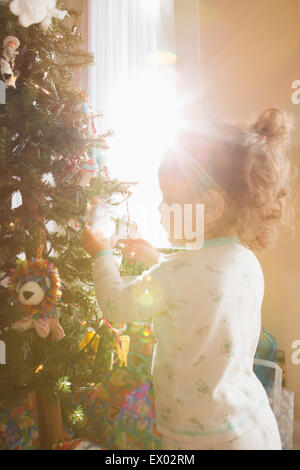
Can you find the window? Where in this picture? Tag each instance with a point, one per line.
(134, 84)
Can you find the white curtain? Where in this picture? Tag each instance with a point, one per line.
(134, 84)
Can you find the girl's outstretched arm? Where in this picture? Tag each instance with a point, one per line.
(146, 296)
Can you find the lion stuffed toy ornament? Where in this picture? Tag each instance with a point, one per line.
(35, 288)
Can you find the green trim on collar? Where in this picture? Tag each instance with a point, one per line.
(221, 241)
(102, 253)
(211, 242)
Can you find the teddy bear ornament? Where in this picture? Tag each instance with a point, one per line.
(35, 289)
(7, 61)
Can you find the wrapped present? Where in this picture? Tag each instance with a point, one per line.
(282, 363)
(281, 401)
(285, 419)
(18, 426)
(119, 413)
(267, 350)
(82, 444)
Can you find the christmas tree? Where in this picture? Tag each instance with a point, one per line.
(51, 167)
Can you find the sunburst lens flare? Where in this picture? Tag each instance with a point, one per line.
(146, 297)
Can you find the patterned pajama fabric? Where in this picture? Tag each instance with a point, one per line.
(206, 312)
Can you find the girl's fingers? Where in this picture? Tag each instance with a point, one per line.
(88, 232)
(140, 250)
(99, 235)
(131, 242)
(94, 243)
(130, 253)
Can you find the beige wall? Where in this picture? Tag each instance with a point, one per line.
(81, 76)
(250, 55)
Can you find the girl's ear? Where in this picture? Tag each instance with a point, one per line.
(214, 205)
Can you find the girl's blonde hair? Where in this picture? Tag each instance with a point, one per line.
(248, 165)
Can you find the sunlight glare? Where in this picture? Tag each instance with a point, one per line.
(144, 116)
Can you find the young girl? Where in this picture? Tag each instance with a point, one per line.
(206, 303)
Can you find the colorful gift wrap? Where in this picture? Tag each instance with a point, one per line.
(120, 412)
(18, 426)
(83, 444)
(286, 419)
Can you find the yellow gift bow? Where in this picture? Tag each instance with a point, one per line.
(87, 338)
(123, 350)
(122, 345)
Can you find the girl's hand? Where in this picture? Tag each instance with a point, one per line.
(141, 250)
(93, 243)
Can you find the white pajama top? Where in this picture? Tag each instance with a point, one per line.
(206, 311)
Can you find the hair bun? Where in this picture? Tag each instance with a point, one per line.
(274, 125)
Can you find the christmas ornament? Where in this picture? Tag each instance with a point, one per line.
(36, 11)
(94, 159)
(69, 173)
(7, 62)
(101, 217)
(123, 349)
(2, 92)
(105, 217)
(35, 288)
(76, 199)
